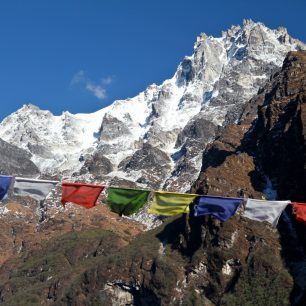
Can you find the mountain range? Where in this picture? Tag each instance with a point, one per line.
(230, 122)
(156, 139)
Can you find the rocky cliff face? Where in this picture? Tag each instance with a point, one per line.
(280, 130)
(16, 161)
(170, 123)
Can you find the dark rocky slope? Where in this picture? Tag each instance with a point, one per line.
(16, 161)
(266, 152)
(167, 266)
(268, 142)
(195, 261)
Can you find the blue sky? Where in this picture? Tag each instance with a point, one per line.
(81, 55)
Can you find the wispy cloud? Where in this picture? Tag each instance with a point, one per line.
(107, 81)
(97, 89)
(79, 77)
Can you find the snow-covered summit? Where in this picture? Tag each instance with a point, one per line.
(55, 142)
(157, 138)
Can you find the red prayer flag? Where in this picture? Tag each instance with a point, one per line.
(300, 211)
(82, 194)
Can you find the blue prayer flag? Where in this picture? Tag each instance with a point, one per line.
(219, 207)
(5, 182)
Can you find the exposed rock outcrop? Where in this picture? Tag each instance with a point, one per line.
(98, 165)
(148, 158)
(16, 161)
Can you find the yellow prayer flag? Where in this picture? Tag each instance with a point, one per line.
(170, 203)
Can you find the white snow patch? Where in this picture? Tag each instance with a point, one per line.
(4, 210)
(227, 268)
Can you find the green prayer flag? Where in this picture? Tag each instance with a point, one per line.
(126, 201)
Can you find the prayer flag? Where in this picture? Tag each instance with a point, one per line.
(219, 207)
(126, 201)
(85, 195)
(171, 203)
(5, 182)
(300, 211)
(36, 189)
(263, 210)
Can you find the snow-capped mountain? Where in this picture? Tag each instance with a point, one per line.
(156, 139)
(55, 142)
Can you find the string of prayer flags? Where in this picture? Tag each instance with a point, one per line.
(85, 195)
(219, 207)
(263, 210)
(299, 209)
(5, 182)
(171, 203)
(126, 201)
(36, 189)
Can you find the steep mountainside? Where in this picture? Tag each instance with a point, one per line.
(156, 139)
(54, 142)
(22, 234)
(264, 156)
(267, 146)
(210, 264)
(196, 260)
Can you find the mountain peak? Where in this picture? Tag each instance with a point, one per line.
(177, 118)
(29, 106)
(249, 22)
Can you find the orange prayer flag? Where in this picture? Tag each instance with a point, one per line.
(300, 211)
(85, 195)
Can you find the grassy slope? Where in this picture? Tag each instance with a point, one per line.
(159, 262)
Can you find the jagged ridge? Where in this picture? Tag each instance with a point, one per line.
(175, 119)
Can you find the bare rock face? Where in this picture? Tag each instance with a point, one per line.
(280, 130)
(116, 295)
(16, 161)
(98, 165)
(227, 170)
(148, 157)
(196, 130)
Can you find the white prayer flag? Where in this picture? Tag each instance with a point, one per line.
(263, 210)
(36, 189)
